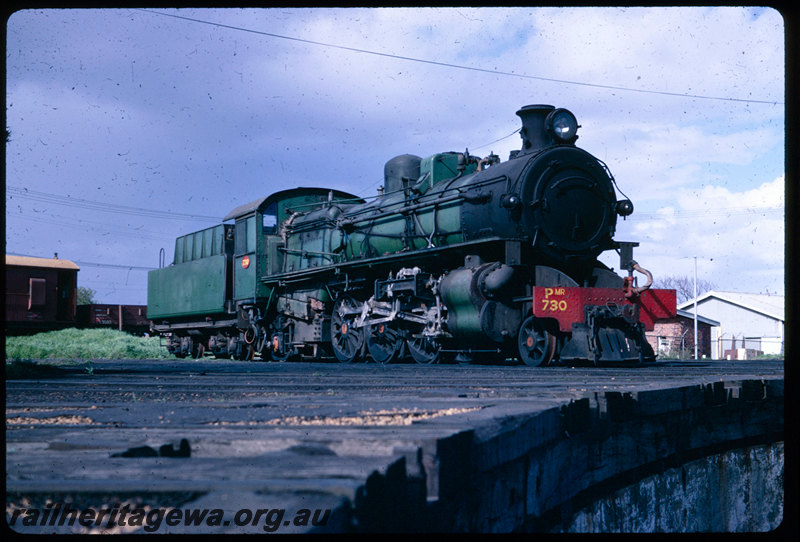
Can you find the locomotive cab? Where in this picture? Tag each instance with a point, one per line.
(253, 223)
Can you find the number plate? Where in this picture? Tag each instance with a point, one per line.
(566, 304)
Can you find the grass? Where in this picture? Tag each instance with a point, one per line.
(83, 344)
(769, 356)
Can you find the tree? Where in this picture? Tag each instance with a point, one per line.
(86, 296)
(684, 286)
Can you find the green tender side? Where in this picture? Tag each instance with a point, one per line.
(195, 287)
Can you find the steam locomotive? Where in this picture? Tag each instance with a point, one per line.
(458, 258)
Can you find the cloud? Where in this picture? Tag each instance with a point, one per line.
(738, 237)
(652, 160)
(678, 49)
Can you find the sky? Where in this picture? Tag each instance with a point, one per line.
(131, 127)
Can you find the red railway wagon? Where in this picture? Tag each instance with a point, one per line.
(129, 318)
(41, 294)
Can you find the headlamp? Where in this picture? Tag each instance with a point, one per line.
(624, 207)
(562, 126)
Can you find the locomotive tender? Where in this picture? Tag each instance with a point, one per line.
(459, 257)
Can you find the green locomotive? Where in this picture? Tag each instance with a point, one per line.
(459, 257)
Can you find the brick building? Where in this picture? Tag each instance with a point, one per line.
(674, 337)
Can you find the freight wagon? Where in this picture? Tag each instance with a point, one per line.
(41, 294)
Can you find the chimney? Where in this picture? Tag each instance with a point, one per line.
(533, 133)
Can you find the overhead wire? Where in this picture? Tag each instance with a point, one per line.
(114, 266)
(457, 66)
(95, 264)
(99, 228)
(700, 213)
(107, 207)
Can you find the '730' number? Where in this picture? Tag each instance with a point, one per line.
(554, 305)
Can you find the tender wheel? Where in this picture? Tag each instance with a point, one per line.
(177, 349)
(424, 349)
(537, 347)
(243, 351)
(346, 340)
(188, 348)
(383, 343)
(221, 348)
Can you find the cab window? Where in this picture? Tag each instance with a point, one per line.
(270, 220)
(245, 235)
